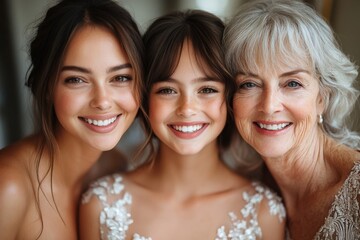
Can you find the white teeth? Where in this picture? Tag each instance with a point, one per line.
(273, 127)
(188, 129)
(100, 123)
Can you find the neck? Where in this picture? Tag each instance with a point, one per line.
(302, 171)
(72, 162)
(187, 174)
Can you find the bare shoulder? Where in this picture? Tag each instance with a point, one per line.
(15, 186)
(15, 191)
(19, 153)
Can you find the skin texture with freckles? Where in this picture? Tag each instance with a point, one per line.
(189, 97)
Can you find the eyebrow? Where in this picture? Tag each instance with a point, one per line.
(85, 70)
(294, 72)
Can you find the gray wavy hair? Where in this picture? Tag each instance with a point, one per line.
(289, 31)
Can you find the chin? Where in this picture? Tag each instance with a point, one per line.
(186, 151)
(104, 146)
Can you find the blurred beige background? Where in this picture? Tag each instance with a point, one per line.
(16, 22)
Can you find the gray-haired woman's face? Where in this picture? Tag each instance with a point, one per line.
(276, 110)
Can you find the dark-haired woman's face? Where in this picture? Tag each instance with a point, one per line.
(187, 111)
(94, 99)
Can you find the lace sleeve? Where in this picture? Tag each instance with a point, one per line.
(275, 204)
(114, 217)
(103, 188)
(343, 220)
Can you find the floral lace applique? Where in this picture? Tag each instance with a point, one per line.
(343, 220)
(248, 227)
(115, 217)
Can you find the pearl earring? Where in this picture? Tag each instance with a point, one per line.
(320, 119)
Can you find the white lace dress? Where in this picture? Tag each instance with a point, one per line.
(115, 217)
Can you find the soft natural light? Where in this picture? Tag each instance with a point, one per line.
(214, 6)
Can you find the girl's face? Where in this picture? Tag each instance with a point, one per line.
(276, 110)
(187, 111)
(94, 99)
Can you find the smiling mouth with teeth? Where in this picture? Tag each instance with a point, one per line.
(188, 129)
(100, 123)
(273, 127)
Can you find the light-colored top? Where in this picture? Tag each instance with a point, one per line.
(343, 220)
(115, 216)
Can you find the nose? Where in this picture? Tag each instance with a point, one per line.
(101, 98)
(271, 101)
(186, 106)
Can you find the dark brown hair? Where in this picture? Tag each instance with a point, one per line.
(47, 50)
(163, 42)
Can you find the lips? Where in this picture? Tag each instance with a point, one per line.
(100, 123)
(273, 127)
(187, 128)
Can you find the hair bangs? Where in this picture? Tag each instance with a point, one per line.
(277, 45)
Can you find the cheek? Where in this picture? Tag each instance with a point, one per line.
(158, 109)
(303, 110)
(127, 100)
(242, 108)
(242, 114)
(66, 103)
(216, 109)
(306, 123)
(304, 114)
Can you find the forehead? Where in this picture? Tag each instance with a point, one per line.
(91, 40)
(191, 60)
(277, 59)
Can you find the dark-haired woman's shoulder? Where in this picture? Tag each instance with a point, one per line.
(16, 191)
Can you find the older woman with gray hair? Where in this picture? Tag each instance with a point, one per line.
(295, 91)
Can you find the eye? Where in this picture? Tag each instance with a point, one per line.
(208, 90)
(74, 80)
(293, 84)
(166, 91)
(122, 78)
(247, 85)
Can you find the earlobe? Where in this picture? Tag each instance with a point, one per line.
(320, 119)
(320, 104)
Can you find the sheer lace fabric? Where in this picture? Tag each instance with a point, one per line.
(115, 217)
(343, 220)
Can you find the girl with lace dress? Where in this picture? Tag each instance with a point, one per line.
(85, 80)
(294, 92)
(184, 190)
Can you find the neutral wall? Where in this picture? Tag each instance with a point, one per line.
(345, 20)
(17, 16)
